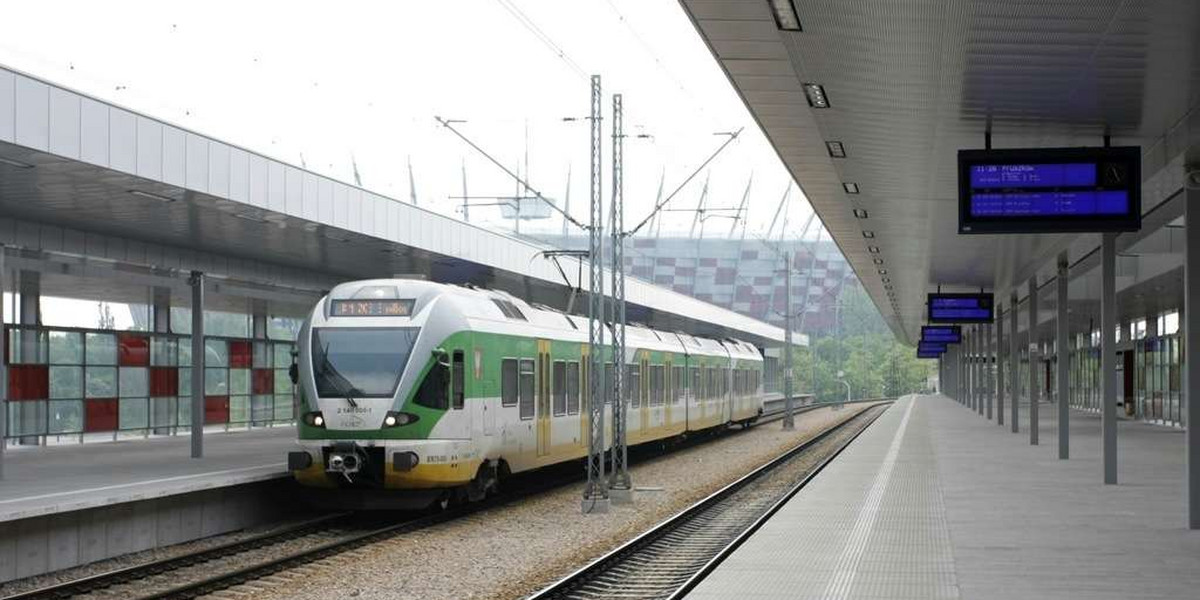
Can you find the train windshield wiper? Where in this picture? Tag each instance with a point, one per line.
(337, 380)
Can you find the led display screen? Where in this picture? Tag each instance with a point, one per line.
(1049, 190)
(938, 347)
(960, 308)
(371, 308)
(947, 334)
(928, 354)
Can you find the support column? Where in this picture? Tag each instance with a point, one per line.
(982, 359)
(1191, 339)
(989, 369)
(258, 319)
(197, 283)
(1108, 349)
(27, 310)
(162, 410)
(161, 311)
(1034, 391)
(999, 366)
(3, 365)
(1062, 354)
(1014, 358)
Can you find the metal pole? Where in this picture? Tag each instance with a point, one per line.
(989, 369)
(197, 283)
(1034, 392)
(1014, 362)
(3, 366)
(620, 483)
(789, 420)
(980, 376)
(595, 494)
(1108, 367)
(999, 366)
(1191, 339)
(1063, 357)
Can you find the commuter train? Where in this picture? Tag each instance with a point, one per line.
(413, 393)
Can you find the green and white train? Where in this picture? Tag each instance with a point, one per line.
(414, 392)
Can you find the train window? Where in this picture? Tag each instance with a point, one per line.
(573, 388)
(558, 382)
(433, 392)
(659, 384)
(458, 382)
(696, 382)
(609, 383)
(677, 384)
(525, 387)
(508, 382)
(633, 385)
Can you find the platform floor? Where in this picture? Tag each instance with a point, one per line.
(50, 480)
(934, 501)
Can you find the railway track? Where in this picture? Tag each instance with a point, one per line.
(667, 561)
(221, 567)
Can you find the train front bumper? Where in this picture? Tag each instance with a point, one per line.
(389, 465)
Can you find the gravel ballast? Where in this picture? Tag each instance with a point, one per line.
(512, 551)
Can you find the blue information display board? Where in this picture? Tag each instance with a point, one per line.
(1049, 190)
(938, 347)
(946, 334)
(960, 308)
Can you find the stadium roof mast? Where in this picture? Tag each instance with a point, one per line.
(740, 216)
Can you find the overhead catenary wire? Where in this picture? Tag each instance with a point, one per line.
(542, 36)
(659, 206)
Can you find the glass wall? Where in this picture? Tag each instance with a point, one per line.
(73, 384)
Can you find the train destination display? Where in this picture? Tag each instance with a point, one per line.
(948, 334)
(1049, 190)
(960, 308)
(371, 308)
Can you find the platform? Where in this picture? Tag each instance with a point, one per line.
(933, 501)
(41, 481)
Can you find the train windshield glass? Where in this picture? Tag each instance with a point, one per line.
(360, 362)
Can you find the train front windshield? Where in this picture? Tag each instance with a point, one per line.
(360, 363)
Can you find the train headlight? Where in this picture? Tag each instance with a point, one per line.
(398, 419)
(314, 419)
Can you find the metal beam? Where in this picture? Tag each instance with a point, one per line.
(620, 483)
(1108, 349)
(595, 493)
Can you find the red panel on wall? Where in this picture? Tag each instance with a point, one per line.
(241, 352)
(133, 350)
(164, 381)
(100, 414)
(262, 381)
(28, 382)
(216, 409)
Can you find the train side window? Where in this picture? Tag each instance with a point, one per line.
(609, 383)
(458, 380)
(677, 384)
(508, 382)
(525, 388)
(696, 382)
(660, 387)
(572, 388)
(633, 387)
(558, 383)
(433, 392)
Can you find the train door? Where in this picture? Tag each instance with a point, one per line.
(489, 411)
(543, 398)
(668, 389)
(646, 378)
(585, 412)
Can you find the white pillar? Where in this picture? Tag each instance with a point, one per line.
(1034, 392)
(1014, 358)
(1062, 355)
(999, 366)
(989, 354)
(1108, 349)
(1191, 368)
(197, 283)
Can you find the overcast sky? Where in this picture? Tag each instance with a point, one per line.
(322, 82)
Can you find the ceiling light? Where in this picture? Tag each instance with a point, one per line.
(836, 149)
(249, 217)
(886, 280)
(785, 15)
(883, 271)
(868, 234)
(860, 213)
(879, 261)
(873, 249)
(148, 195)
(15, 163)
(816, 95)
(850, 187)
